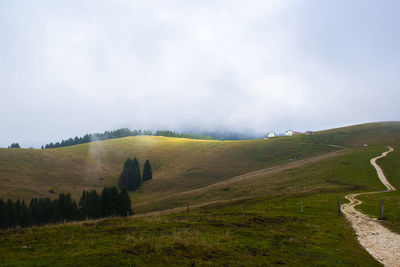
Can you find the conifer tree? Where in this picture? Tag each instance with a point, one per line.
(25, 216)
(147, 173)
(10, 214)
(95, 205)
(2, 214)
(134, 177)
(124, 203)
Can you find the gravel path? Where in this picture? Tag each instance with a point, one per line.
(380, 242)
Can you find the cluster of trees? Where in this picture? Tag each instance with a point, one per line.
(131, 178)
(40, 211)
(168, 133)
(14, 145)
(123, 132)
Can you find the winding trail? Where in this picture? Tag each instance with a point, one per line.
(380, 242)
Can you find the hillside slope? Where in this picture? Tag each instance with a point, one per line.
(179, 165)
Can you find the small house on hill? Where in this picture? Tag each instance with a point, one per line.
(309, 133)
(271, 134)
(291, 133)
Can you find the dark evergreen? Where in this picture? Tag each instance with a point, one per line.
(135, 178)
(14, 145)
(130, 177)
(24, 216)
(112, 202)
(124, 203)
(147, 173)
(11, 220)
(3, 216)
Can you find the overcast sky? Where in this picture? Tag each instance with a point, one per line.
(73, 67)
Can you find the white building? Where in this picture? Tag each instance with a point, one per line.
(291, 133)
(271, 134)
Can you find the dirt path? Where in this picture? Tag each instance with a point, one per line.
(380, 242)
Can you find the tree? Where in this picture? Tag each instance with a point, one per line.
(135, 178)
(95, 205)
(14, 145)
(10, 214)
(125, 174)
(124, 203)
(90, 205)
(147, 173)
(66, 208)
(2, 214)
(130, 177)
(24, 216)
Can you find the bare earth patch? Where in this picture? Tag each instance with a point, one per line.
(380, 242)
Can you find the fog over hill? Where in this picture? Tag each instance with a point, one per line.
(68, 68)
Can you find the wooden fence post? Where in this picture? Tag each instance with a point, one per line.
(382, 204)
(267, 208)
(188, 209)
(301, 206)
(339, 208)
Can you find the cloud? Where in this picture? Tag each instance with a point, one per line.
(72, 67)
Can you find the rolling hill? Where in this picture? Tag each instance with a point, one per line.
(179, 164)
(257, 202)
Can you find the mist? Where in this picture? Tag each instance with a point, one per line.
(73, 67)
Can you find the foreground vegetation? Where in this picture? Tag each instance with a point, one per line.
(220, 234)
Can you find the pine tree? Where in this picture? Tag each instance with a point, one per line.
(34, 208)
(25, 216)
(125, 174)
(134, 176)
(2, 214)
(124, 203)
(84, 204)
(17, 206)
(95, 205)
(104, 197)
(10, 214)
(147, 173)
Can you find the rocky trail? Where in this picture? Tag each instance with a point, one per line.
(380, 242)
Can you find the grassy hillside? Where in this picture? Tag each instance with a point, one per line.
(178, 164)
(244, 199)
(216, 235)
(378, 133)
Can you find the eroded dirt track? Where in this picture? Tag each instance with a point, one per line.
(380, 242)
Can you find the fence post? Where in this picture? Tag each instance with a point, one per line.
(339, 208)
(382, 204)
(301, 206)
(188, 209)
(241, 208)
(267, 208)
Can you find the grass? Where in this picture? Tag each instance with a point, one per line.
(371, 203)
(215, 235)
(197, 172)
(345, 173)
(178, 164)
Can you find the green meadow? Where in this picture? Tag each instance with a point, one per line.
(218, 203)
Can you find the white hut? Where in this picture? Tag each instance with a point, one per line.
(291, 133)
(271, 134)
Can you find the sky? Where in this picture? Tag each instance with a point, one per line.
(71, 67)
